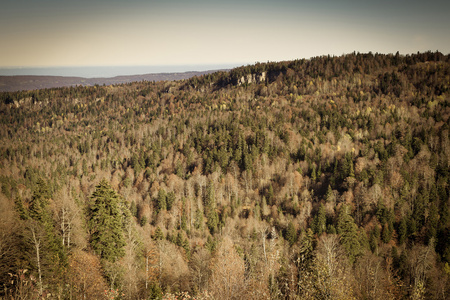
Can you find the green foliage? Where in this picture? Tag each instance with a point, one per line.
(374, 238)
(158, 235)
(161, 201)
(105, 223)
(386, 234)
(348, 231)
(133, 209)
(330, 195)
(291, 234)
(270, 195)
(212, 221)
(170, 199)
(39, 200)
(360, 129)
(20, 209)
(331, 229)
(198, 223)
(402, 231)
(143, 221)
(211, 244)
(155, 292)
(320, 221)
(307, 245)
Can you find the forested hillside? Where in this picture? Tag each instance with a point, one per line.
(325, 178)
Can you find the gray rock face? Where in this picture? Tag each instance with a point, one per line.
(252, 78)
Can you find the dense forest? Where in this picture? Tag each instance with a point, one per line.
(325, 178)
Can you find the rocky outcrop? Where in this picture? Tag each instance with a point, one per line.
(252, 78)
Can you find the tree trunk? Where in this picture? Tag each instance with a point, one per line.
(37, 244)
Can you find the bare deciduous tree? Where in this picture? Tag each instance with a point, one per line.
(227, 279)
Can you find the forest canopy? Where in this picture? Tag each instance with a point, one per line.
(325, 178)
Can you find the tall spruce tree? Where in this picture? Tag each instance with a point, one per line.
(320, 221)
(40, 200)
(348, 231)
(105, 223)
(161, 201)
(291, 234)
(48, 254)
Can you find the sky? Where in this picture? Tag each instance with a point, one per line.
(82, 33)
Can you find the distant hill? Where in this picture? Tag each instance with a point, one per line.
(24, 82)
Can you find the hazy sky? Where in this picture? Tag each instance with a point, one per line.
(37, 33)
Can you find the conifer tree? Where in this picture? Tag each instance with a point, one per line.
(158, 235)
(105, 223)
(39, 200)
(291, 234)
(210, 208)
(161, 201)
(330, 195)
(320, 221)
(402, 231)
(348, 231)
(51, 258)
(170, 199)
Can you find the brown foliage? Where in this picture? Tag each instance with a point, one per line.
(86, 277)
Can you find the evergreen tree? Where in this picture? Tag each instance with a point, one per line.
(105, 223)
(320, 221)
(39, 200)
(331, 229)
(373, 239)
(402, 231)
(213, 221)
(158, 235)
(386, 234)
(198, 222)
(270, 199)
(170, 199)
(161, 201)
(348, 231)
(313, 173)
(432, 222)
(46, 240)
(210, 197)
(307, 246)
(291, 234)
(133, 209)
(20, 209)
(143, 221)
(330, 195)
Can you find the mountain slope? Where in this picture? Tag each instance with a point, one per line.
(316, 178)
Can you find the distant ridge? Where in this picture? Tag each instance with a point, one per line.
(35, 82)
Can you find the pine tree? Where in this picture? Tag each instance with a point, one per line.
(105, 223)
